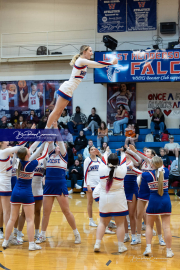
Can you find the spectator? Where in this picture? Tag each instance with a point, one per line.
(43, 122)
(102, 134)
(172, 148)
(64, 119)
(21, 124)
(14, 118)
(157, 121)
(76, 173)
(133, 139)
(3, 122)
(9, 126)
(80, 158)
(47, 113)
(32, 117)
(177, 46)
(80, 142)
(164, 157)
(29, 124)
(122, 119)
(86, 150)
(174, 174)
(66, 136)
(70, 155)
(94, 121)
(77, 120)
(103, 149)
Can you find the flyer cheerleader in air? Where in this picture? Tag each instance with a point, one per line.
(80, 63)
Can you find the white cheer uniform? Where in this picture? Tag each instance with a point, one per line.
(79, 71)
(6, 169)
(4, 98)
(91, 173)
(113, 202)
(120, 100)
(33, 101)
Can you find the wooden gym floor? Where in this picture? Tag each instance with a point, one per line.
(60, 252)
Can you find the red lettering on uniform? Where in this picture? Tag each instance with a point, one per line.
(159, 71)
(147, 69)
(135, 66)
(172, 70)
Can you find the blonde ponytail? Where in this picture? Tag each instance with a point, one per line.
(75, 57)
(73, 60)
(157, 163)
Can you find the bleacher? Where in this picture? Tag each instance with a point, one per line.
(118, 141)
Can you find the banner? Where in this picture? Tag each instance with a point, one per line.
(25, 96)
(141, 15)
(111, 16)
(121, 94)
(139, 66)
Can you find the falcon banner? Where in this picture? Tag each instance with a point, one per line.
(139, 66)
(111, 16)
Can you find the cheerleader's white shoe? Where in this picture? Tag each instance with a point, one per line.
(40, 239)
(1, 235)
(20, 234)
(122, 249)
(108, 231)
(5, 244)
(97, 247)
(161, 242)
(33, 246)
(92, 223)
(147, 251)
(169, 254)
(134, 241)
(112, 225)
(15, 241)
(126, 239)
(77, 239)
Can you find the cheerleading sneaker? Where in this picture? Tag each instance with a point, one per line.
(97, 247)
(92, 223)
(40, 239)
(33, 246)
(161, 242)
(169, 254)
(147, 251)
(126, 238)
(108, 231)
(122, 249)
(77, 239)
(1, 235)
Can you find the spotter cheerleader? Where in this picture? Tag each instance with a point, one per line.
(56, 187)
(112, 200)
(159, 203)
(22, 194)
(80, 63)
(91, 179)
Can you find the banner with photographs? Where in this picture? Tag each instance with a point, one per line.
(121, 94)
(25, 96)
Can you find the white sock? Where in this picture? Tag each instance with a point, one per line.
(120, 244)
(98, 241)
(36, 231)
(138, 236)
(75, 232)
(43, 233)
(6, 241)
(127, 234)
(15, 230)
(168, 249)
(160, 237)
(148, 246)
(133, 236)
(31, 243)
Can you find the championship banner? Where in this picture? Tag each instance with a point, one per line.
(121, 94)
(111, 16)
(139, 66)
(25, 96)
(141, 15)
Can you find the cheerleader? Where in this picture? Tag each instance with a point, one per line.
(159, 203)
(131, 191)
(91, 179)
(144, 192)
(80, 63)
(56, 187)
(5, 177)
(112, 201)
(22, 194)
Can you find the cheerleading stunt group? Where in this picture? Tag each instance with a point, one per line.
(132, 189)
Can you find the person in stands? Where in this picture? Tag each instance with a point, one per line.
(80, 142)
(21, 124)
(42, 123)
(94, 121)
(33, 118)
(157, 121)
(102, 134)
(172, 148)
(86, 150)
(122, 119)
(164, 157)
(78, 121)
(64, 119)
